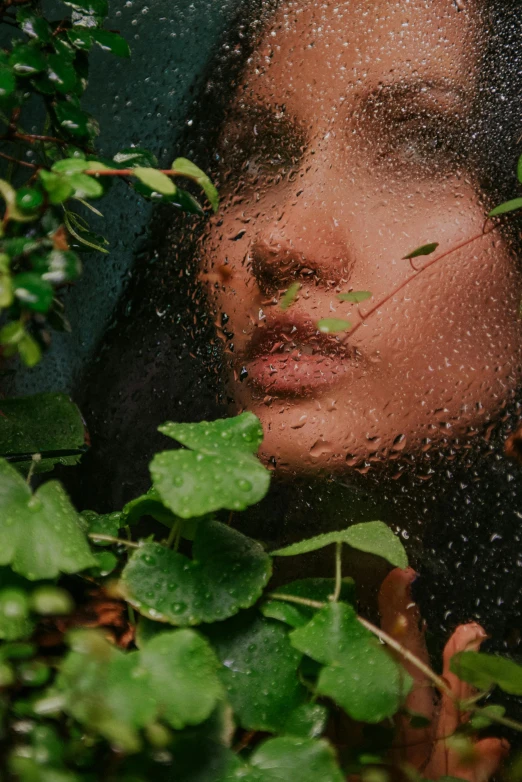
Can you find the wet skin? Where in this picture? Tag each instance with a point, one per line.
(348, 145)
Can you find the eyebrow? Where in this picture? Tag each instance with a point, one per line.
(397, 97)
(271, 120)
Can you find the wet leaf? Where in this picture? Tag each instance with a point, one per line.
(359, 674)
(61, 72)
(185, 168)
(242, 433)
(47, 424)
(483, 718)
(7, 82)
(40, 535)
(174, 677)
(373, 537)
(33, 292)
(33, 25)
(221, 471)
(183, 676)
(288, 758)
(487, 670)
(93, 7)
(101, 524)
(26, 60)
(74, 121)
(135, 156)
(80, 38)
(29, 350)
(425, 249)
(149, 504)
(333, 325)
(14, 614)
(316, 589)
(86, 186)
(354, 296)
(259, 670)
(58, 187)
(289, 297)
(111, 42)
(507, 206)
(227, 572)
(155, 180)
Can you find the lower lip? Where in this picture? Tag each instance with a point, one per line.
(286, 375)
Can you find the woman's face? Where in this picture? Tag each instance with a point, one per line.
(348, 145)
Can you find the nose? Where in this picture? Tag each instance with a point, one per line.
(307, 245)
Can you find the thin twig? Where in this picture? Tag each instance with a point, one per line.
(16, 160)
(111, 539)
(338, 572)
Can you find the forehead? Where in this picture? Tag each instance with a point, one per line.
(314, 54)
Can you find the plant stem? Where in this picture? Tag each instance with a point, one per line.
(172, 534)
(438, 681)
(303, 601)
(111, 539)
(132, 172)
(485, 231)
(16, 160)
(338, 572)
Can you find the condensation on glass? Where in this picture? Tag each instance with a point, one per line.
(343, 136)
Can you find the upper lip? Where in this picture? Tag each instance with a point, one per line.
(286, 334)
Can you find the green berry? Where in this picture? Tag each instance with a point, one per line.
(29, 199)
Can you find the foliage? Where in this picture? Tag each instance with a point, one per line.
(44, 229)
(148, 643)
(279, 662)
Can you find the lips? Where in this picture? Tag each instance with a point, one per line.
(290, 357)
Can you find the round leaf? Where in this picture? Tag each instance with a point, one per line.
(288, 758)
(426, 249)
(359, 674)
(155, 179)
(40, 535)
(33, 291)
(241, 433)
(487, 670)
(259, 670)
(333, 325)
(227, 572)
(354, 296)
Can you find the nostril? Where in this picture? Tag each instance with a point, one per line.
(274, 266)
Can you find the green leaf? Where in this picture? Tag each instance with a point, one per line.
(373, 537)
(26, 60)
(149, 504)
(483, 718)
(14, 614)
(58, 187)
(241, 433)
(7, 82)
(227, 572)
(86, 186)
(135, 156)
(33, 292)
(58, 266)
(155, 180)
(221, 471)
(40, 535)
(71, 165)
(48, 424)
(106, 690)
(306, 721)
(92, 7)
(289, 297)
(507, 206)
(13, 212)
(316, 589)
(74, 121)
(333, 325)
(184, 167)
(259, 670)
(173, 677)
(288, 758)
(426, 249)
(111, 42)
(487, 670)
(80, 38)
(29, 350)
(33, 25)
(359, 674)
(61, 73)
(354, 296)
(101, 524)
(183, 676)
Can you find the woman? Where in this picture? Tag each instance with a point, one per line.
(358, 132)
